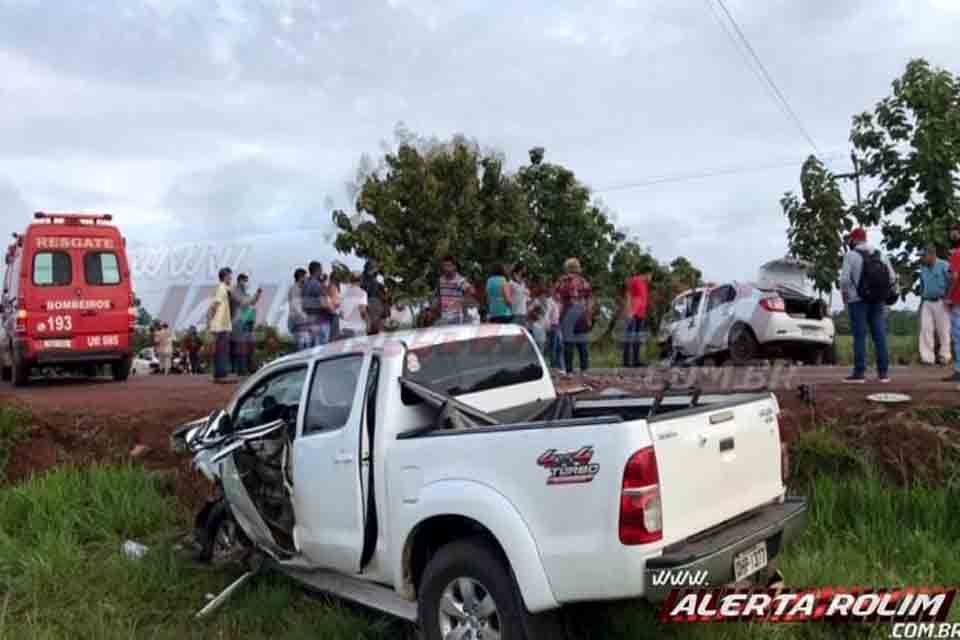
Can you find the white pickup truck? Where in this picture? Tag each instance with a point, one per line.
(438, 476)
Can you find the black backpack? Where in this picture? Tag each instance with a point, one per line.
(875, 284)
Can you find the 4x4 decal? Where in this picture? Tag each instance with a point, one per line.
(570, 467)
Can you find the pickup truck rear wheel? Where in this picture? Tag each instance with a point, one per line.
(468, 593)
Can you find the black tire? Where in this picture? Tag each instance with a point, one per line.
(815, 356)
(217, 535)
(743, 345)
(20, 373)
(6, 373)
(471, 563)
(121, 369)
(830, 355)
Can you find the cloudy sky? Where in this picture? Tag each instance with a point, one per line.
(240, 121)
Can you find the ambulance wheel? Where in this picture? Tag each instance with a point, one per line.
(19, 373)
(121, 369)
(5, 373)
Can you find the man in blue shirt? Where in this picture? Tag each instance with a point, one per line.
(934, 316)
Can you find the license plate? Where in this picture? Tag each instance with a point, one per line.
(746, 563)
(57, 344)
(809, 332)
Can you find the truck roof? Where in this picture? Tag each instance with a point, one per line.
(410, 338)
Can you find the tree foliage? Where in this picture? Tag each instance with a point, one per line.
(566, 222)
(428, 198)
(910, 145)
(818, 223)
(427, 202)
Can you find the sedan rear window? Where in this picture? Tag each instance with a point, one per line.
(101, 268)
(52, 269)
(471, 366)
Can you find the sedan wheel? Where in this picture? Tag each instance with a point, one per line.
(468, 612)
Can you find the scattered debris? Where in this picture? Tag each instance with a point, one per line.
(133, 550)
(889, 398)
(139, 451)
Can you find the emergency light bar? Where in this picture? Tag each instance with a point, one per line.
(73, 218)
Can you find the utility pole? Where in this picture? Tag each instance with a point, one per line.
(855, 175)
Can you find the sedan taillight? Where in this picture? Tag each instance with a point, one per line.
(773, 304)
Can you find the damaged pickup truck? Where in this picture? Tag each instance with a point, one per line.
(437, 475)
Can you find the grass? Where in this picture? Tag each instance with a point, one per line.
(62, 574)
(13, 429)
(903, 350)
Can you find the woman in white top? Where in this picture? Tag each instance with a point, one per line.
(520, 293)
(353, 309)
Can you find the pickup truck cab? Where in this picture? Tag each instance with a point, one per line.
(438, 476)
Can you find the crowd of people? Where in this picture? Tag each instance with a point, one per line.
(868, 286)
(341, 304)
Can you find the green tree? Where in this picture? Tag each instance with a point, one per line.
(428, 199)
(818, 223)
(567, 223)
(683, 275)
(910, 145)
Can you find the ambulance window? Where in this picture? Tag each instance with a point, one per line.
(101, 268)
(52, 269)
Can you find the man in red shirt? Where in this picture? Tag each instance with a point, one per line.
(635, 331)
(953, 302)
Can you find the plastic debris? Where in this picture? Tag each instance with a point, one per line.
(133, 550)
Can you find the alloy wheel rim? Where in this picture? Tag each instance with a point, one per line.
(467, 611)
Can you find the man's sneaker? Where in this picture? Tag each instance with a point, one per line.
(885, 379)
(855, 379)
(954, 378)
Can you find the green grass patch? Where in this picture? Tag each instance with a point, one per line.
(62, 574)
(14, 428)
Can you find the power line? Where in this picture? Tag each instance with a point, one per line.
(765, 76)
(704, 173)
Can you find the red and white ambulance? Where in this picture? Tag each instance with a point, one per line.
(67, 298)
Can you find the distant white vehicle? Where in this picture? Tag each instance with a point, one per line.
(778, 316)
(145, 362)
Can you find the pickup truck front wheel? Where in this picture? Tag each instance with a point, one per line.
(467, 593)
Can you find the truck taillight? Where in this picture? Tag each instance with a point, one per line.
(20, 328)
(773, 304)
(641, 516)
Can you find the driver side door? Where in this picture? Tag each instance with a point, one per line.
(271, 404)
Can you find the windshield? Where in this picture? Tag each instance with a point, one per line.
(457, 368)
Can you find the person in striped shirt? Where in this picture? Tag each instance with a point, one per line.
(448, 298)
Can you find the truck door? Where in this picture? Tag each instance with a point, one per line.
(328, 469)
(50, 296)
(103, 323)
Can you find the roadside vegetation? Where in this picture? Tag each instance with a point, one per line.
(62, 573)
(13, 429)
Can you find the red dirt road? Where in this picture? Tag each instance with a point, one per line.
(86, 421)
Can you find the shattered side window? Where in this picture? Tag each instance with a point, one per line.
(471, 366)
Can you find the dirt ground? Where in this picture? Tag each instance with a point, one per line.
(87, 421)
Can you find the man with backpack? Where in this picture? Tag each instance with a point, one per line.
(868, 285)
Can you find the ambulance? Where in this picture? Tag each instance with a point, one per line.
(67, 300)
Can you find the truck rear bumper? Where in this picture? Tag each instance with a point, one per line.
(713, 551)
